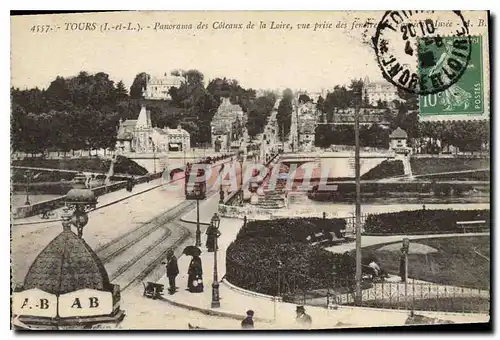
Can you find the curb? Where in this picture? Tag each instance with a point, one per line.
(250, 293)
(212, 312)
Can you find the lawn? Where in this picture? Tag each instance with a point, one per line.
(446, 304)
(456, 262)
(431, 165)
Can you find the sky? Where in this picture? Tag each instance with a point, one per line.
(257, 58)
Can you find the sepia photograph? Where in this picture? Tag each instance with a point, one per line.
(250, 170)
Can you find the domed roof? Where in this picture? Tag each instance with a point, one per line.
(65, 265)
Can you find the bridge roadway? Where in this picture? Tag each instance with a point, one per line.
(131, 235)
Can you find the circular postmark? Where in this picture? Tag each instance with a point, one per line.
(422, 52)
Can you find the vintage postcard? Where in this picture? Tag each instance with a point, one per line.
(250, 170)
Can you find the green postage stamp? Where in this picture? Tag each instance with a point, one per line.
(466, 95)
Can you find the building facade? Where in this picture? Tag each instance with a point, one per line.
(157, 87)
(398, 141)
(383, 91)
(227, 126)
(139, 136)
(307, 117)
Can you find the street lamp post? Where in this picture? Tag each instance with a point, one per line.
(358, 204)
(154, 154)
(215, 284)
(241, 181)
(28, 176)
(198, 232)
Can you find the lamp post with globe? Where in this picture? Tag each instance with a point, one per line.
(215, 284)
(79, 200)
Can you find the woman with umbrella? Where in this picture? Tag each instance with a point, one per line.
(195, 270)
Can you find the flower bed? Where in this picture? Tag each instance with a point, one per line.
(422, 221)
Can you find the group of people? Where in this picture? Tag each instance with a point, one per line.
(195, 273)
(303, 319)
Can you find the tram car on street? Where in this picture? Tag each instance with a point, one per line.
(195, 189)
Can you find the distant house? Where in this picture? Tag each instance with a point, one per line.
(227, 125)
(157, 87)
(139, 136)
(383, 91)
(398, 141)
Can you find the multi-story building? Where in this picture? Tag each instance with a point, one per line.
(227, 125)
(140, 136)
(383, 91)
(157, 87)
(306, 124)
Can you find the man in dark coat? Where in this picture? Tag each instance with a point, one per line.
(302, 318)
(247, 322)
(172, 270)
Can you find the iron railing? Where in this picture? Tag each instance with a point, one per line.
(328, 290)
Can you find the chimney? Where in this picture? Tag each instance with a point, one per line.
(179, 127)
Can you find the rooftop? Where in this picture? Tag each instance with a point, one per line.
(398, 134)
(67, 264)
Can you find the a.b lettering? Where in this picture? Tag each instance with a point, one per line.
(76, 303)
(93, 302)
(25, 303)
(44, 303)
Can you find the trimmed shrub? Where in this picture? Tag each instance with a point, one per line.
(267, 250)
(422, 221)
(291, 230)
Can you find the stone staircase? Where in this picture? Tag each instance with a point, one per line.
(271, 200)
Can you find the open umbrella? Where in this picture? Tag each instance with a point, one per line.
(192, 251)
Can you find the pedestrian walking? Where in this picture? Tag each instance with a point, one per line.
(302, 318)
(195, 275)
(172, 271)
(247, 322)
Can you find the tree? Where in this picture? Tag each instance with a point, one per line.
(304, 98)
(284, 115)
(121, 90)
(139, 85)
(259, 112)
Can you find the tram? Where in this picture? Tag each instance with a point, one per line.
(195, 189)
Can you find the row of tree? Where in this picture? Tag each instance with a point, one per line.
(83, 112)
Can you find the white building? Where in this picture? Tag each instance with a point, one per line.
(157, 87)
(383, 91)
(139, 136)
(398, 141)
(227, 125)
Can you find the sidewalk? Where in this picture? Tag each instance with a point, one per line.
(270, 313)
(103, 201)
(367, 241)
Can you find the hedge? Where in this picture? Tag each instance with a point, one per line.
(253, 259)
(422, 221)
(291, 229)
(252, 264)
(381, 189)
